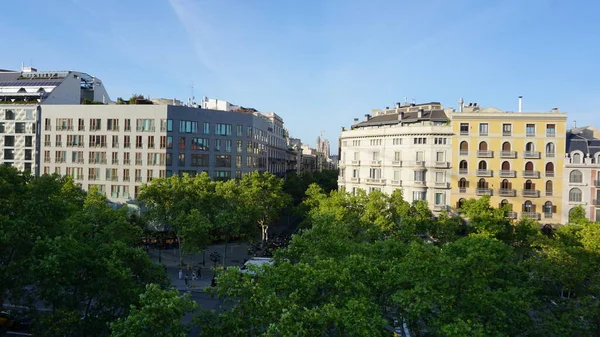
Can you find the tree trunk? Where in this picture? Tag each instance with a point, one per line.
(180, 253)
(225, 250)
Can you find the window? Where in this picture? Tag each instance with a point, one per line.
(81, 124)
(376, 155)
(115, 142)
(482, 165)
(418, 195)
(239, 146)
(138, 142)
(223, 161)
(47, 125)
(464, 148)
(549, 188)
(506, 129)
(228, 145)
(440, 199)
(464, 129)
(166, 125)
(576, 158)
(550, 130)
(397, 141)
(355, 173)
(138, 158)
(200, 144)
(127, 124)
(188, 127)
(127, 142)
(576, 177)
(419, 176)
(200, 160)
(239, 130)
(112, 124)
(223, 129)
(95, 124)
(440, 157)
(2, 128)
(440, 141)
(222, 175)
(115, 158)
(9, 115)
(375, 142)
(238, 161)
(144, 125)
(420, 140)
(440, 177)
(397, 156)
(550, 150)
(530, 130)
(463, 167)
(206, 128)
(462, 184)
(375, 173)
(19, 127)
(483, 129)
(126, 158)
(150, 142)
(9, 154)
(181, 143)
(529, 147)
(575, 195)
(9, 140)
(28, 141)
(138, 175)
(181, 159)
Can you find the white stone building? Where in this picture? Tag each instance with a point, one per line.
(407, 147)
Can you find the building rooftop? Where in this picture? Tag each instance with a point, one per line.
(584, 139)
(437, 115)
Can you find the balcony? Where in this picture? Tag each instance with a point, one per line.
(419, 182)
(58, 144)
(463, 152)
(462, 190)
(355, 180)
(508, 174)
(485, 154)
(442, 164)
(531, 154)
(375, 162)
(506, 133)
(464, 133)
(341, 180)
(420, 163)
(550, 154)
(442, 184)
(484, 173)
(114, 178)
(396, 182)
(397, 163)
(483, 191)
(596, 202)
(126, 161)
(531, 174)
(508, 154)
(440, 208)
(530, 215)
(506, 192)
(530, 133)
(549, 193)
(483, 133)
(551, 134)
(355, 162)
(549, 173)
(463, 171)
(531, 193)
(511, 215)
(375, 181)
(548, 215)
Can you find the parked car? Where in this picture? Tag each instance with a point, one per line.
(255, 261)
(9, 320)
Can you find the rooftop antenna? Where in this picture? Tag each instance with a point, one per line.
(405, 100)
(22, 66)
(574, 124)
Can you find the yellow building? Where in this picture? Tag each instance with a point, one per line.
(515, 157)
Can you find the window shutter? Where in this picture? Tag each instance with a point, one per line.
(553, 208)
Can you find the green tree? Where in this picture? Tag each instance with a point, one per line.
(577, 215)
(158, 314)
(263, 192)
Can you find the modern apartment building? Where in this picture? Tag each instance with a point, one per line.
(407, 147)
(22, 94)
(119, 147)
(515, 157)
(582, 172)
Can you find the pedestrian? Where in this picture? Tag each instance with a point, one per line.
(180, 274)
(194, 276)
(199, 272)
(186, 279)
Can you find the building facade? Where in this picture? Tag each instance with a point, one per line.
(582, 173)
(117, 148)
(19, 136)
(407, 147)
(517, 158)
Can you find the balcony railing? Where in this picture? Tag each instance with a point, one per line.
(463, 152)
(511, 215)
(508, 174)
(506, 133)
(483, 133)
(483, 191)
(530, 215)
(442, 184)
(464, 133)
(355, 179)
(531, 154)
(531, 193)
(397, 163)
(440, 207)
(419, 182)
(548, 215)
(549, 193)
(485, 154)
(530, 134)
(420, 163)
(462, 190)
(375, 181)
(463, 171)
(375, 162)
(506, 192)
(355, 162)
(508, 154)
(396, 182)
(550, 134)
(550, 154)
(549, 173)
(531, 174)
(442, 164)
(484, 173)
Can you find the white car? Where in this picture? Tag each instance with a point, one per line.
(255, 261)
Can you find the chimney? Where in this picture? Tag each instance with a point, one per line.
(398, 105)
(355, 121)
(367, 117)
(420, 113)
(461, 103)
(555, 110)
(401, 115)
(520, 103)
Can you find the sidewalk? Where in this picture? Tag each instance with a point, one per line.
(237, 253)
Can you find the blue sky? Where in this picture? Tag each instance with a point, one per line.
(320, 63)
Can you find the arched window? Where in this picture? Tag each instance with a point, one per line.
(464, 146)
(505, 185)
(530, 147)
(529, 185)
(529, 166)
(505, 166)
(41, 90)
(575, 195)
(575, 177)
(549, 187)
(528, 206)
(482, 165)
(462, 183)
(548, 209)
(482, 183)
(576, 158)
(506, 146)
(550, 170)
(483, 146)
(505, 204)
(550, 150)
(460, 203)
(463, 167)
